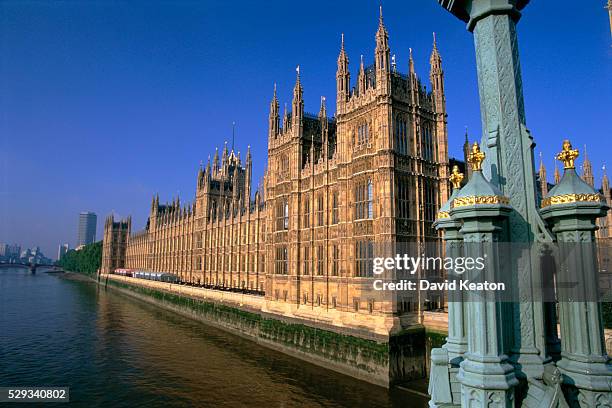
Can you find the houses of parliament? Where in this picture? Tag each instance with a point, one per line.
(334, 187)
(334, 190)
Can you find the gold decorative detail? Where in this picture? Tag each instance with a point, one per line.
(479, 200)
(456, 178)
(567, 155)
(476, 157)
(443, 214)
(571, 198)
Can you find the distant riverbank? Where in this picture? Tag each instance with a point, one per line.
(75, 276)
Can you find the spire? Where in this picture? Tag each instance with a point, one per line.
(381, 34)
(543, 181)
(225, 154)
(297, 104)
(216, 160)
(285, 118)
(466, 153)
(557, 174)
(361, 79)
(323, 110)
(382, 57)
(435, 60)
(587, 170)
(343, 77)
(200, 175)
(605, 184)
(274, 120)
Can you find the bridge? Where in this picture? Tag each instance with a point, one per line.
(31, 266)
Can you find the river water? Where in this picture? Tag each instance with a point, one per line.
(115, 351)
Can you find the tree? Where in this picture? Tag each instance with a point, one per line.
(87, 260)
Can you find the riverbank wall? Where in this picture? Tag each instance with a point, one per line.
(377, 359)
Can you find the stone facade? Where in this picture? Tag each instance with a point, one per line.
(335, 188)
(114, 243)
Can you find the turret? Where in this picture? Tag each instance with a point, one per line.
(274, 118)
(413, 80)
(248, 176)
(382, 57)
(436, 76)
(224, 156)
(587, 170)
(285, 119)
(215, 167)
(207, 173)
(466, 153)
(343, 78)
(542, 174)
(200, 176)
(361, 78)
(297, 105)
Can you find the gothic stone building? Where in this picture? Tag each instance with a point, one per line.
(334, 189)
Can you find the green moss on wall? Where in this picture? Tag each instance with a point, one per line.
(342, 348)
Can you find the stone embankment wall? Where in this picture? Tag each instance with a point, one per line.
(384, 362)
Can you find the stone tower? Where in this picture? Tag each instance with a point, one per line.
(116, 236)
(587, 170)
(339, 188)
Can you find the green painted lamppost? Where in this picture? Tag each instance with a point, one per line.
(443, 383)
(487, 378)
(571, 209)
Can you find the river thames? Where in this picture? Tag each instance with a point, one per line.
(113, 351)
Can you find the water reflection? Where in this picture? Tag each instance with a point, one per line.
(116, 351)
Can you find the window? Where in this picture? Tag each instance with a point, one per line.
(364, 255)
(402, 197)
(282, 215)
(281, 262)
(401, 136)
(320, 260)
(213, 210)
(335, 214)
(363, 135)
(363, 200)
(320, 219)
(430, 195)
(335, 260)
(306, 268)
(283, 167)
(427, 143)
(306, 216)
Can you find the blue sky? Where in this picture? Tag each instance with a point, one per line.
(104, 103)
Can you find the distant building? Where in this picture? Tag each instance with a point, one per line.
(62, 250)
(9, 253)
(87, 228)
